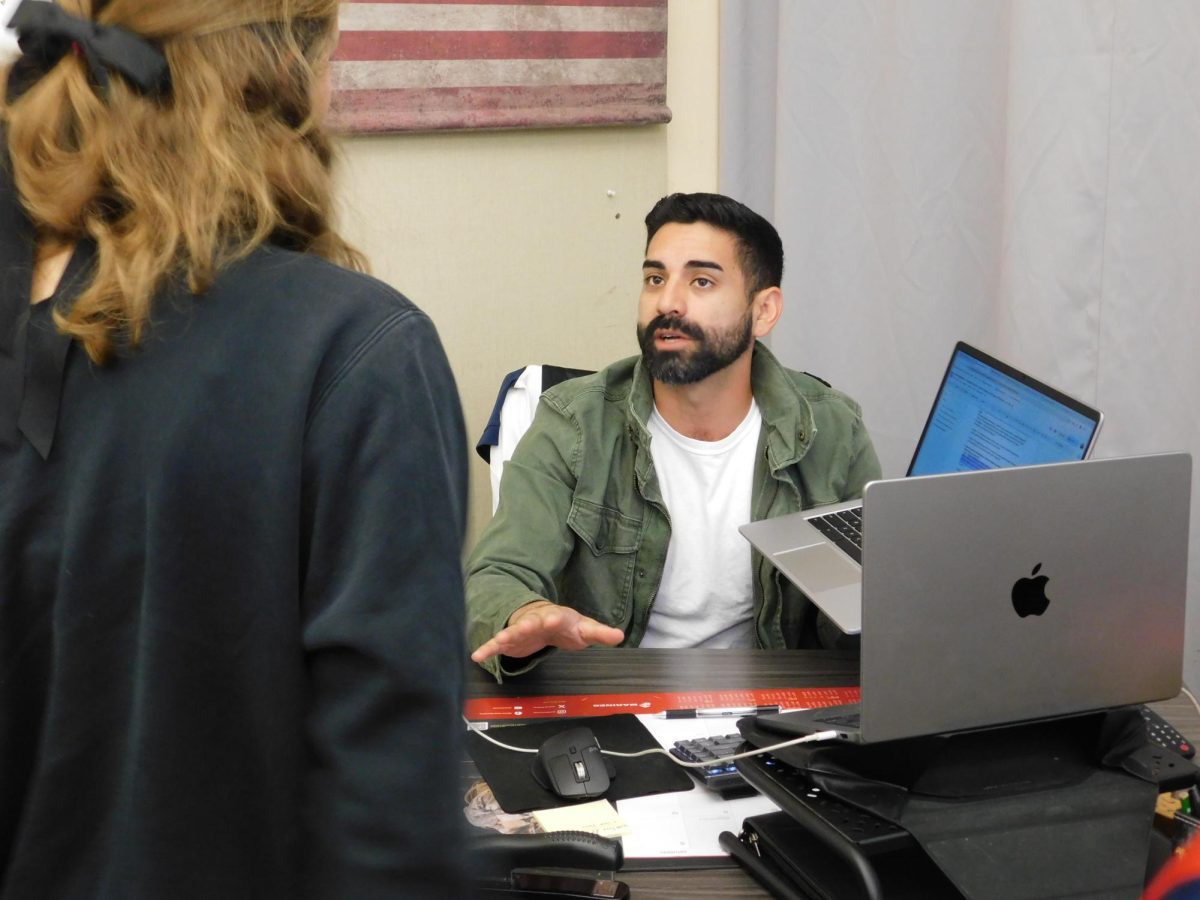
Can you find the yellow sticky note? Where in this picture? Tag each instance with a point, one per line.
(598, 817)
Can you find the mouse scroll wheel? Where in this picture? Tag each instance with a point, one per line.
(580, 771)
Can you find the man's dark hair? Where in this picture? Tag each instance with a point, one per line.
(760, 252)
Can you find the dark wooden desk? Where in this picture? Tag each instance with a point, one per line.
(631, 671)
(619, 671)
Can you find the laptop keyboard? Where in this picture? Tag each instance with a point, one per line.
(844, 529)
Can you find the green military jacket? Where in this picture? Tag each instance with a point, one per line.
(581, 520)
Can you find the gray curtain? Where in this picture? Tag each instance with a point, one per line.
(1021, 175)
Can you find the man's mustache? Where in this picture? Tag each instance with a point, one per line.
(674, 323)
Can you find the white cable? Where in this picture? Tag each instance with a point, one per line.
(1191, 697)
(817, 736)
(487, 737)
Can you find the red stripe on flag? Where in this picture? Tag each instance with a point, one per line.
(378, 45)
(647, 4)
(432, 109)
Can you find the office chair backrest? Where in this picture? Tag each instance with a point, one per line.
(513, 412)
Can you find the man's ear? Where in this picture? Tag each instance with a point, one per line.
(768, 307)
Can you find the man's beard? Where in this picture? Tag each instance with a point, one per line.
(711, 351)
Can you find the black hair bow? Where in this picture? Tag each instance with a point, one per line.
(46, 33)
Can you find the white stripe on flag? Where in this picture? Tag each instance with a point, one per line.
(383, 75)
(488, 17)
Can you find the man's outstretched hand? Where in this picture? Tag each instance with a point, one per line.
(544, 624)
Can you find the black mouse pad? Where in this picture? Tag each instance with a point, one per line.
(509, 776)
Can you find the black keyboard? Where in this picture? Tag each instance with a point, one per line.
(795, 794)
(843, 528)
(722, 777)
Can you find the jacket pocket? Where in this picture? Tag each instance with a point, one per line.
(604, 530)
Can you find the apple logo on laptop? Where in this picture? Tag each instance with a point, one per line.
(1029, 594)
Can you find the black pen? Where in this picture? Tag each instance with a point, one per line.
(705, 712)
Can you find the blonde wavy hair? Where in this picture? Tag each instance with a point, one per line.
(183, 185)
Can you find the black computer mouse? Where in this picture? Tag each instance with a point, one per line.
(570, 764)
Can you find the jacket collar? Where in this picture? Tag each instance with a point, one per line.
(786, 414)
(33, 353)
(16, 258)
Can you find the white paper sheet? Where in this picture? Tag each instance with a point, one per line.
(685, 823)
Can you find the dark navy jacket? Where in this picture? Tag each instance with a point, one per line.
(231, 626)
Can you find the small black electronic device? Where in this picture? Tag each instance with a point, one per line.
(571, 765)
(555, 865)
(551, 884)
(720, 776)
(796, 795)
(1164, 734)
(569, 883)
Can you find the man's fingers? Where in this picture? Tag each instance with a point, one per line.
(524, 637)
(593, 632)
(540, 621)
(485, 651)
(549, 625)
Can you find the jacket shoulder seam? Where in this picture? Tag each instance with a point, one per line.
(382, 330)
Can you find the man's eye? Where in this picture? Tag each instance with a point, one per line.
(703, 282)
(653, 279)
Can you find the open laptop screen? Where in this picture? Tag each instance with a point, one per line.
(988, 415)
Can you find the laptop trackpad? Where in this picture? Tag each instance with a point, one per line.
(820, 567)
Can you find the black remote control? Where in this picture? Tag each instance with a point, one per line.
(1164, 734)
(722, 777)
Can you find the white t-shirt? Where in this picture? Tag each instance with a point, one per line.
(706, 597)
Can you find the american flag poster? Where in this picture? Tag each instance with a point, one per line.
(407, 66)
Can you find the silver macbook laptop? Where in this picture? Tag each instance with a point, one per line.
(1017, 594)
(986, 415)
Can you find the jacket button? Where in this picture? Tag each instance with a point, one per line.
(641, 573)
(802, 435)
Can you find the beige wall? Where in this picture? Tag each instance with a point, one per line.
(523, 246)
(692, 91)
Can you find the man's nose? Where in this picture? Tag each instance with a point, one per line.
(672, 299)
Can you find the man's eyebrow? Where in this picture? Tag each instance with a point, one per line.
(690, 264)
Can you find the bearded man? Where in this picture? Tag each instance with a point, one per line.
(618, 514)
